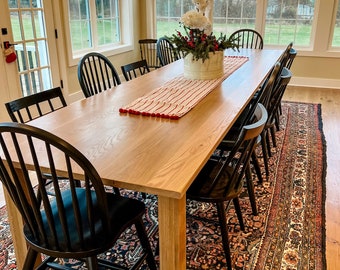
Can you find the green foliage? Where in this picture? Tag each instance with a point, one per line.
(199, 44)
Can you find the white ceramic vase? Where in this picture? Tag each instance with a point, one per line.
(210, 69)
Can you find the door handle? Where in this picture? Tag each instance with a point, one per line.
(7, 44)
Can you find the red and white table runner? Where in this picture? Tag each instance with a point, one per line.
(179, 95)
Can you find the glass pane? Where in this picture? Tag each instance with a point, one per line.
(289, 21)
(43, 53)
(15, 22)
(46, 78)
(107, 22)
(27, 25)
(36, 3)
(39, 24)
(31, 54)
(13, 3)
(24, 3)
(35, 80)
(25, 86)
(80, 25)
(168, 14)
(336, 34)
(230, 15)
(21, 57)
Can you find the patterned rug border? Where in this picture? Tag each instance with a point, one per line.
(324, 175)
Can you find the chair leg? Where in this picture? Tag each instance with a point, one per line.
(224, 232)
(268, 143)
(251, 193)
(92, 263)
(257, 167)
(145, 244)
(277, 120)
(272, 131)
(236, 203)
(30, 259)
(265, 154)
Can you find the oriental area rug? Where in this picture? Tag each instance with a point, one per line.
(287, 233)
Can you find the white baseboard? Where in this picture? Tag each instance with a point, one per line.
(315, 82)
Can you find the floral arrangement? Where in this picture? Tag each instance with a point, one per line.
(198, 38)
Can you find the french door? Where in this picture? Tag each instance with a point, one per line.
(27, 27)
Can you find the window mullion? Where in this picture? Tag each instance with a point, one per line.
(93, 22)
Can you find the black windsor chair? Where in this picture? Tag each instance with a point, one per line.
(248, 38)
(221, 179)
(166, 51)
(135, 69)
(27, 108)
(30, 107)
(96, 74)
(148, 52)
(272, 107)
(78, 223)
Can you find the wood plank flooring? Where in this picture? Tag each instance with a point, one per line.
(330, 108)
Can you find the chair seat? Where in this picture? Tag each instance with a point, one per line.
(205, 189)
(125, 208)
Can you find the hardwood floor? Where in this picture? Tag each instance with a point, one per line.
(330, 108)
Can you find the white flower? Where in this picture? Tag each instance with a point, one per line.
(195, 20)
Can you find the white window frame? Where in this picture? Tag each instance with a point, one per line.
(321, 41)
(335, 10)
(126, 34)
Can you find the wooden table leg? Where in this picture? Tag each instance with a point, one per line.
(16, 227)
(172, 233)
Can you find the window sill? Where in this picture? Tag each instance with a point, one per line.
(105, 50)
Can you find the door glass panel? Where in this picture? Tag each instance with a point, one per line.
(28, 26)
(24, 3)
(39, 26)
(15, 26)
(13, 4)
(31, 55)
(43, 53)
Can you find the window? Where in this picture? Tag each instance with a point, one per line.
(285, 20)
(230, 16)
(97, 25)
(289, 21)
(168, 14)
(336, 32)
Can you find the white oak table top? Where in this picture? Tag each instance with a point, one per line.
(154, 155)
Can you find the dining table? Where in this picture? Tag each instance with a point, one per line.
(152, 153)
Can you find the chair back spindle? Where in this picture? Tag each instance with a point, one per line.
(36, 105)
(248, 38)
(135, 69)
(96, 74)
